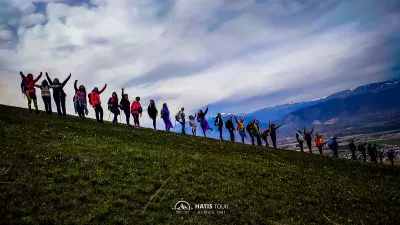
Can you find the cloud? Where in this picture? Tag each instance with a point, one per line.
(234, 55)
(5, 35)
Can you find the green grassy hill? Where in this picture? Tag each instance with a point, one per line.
(66, 171)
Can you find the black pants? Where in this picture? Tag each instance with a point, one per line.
(232, 135)
(353, 154)
(220, 133)
(183, 127)
(301, 146)
(59, 99)
(136, 119)
(320, 149)
(273, 138)
(364, 154)
(81, 111)
(127, 115)
(252, 138)
(99, 112)
(309, 145)
(47, 104)
(258, 137)
(115, 120)
(154, 123)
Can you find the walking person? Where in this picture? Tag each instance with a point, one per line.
(153, 113)
(113, 107)
(136, 110)
(80, 101)
(59, 94)
(372, 153)
(352, 148)
(165, 117)
(240, 127)
(334, 146)
(193, 123)
(361, 148)
(28, 89)
(46, 95)
(380, 154)
(219, 123)
(94, 100)
(273, 133)
(180, 117)
(390, 155)
(308, 138)
(319, 142)
(201, 118)
(231, 128)
(265, 135)
(300, 139)
(125, 106)
(250, 131)
(257, 133)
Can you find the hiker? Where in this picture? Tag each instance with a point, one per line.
(46, 96)
(250, 131)
(376, 153)
(201, 118)
(300, 139)
(28, 89)
(80, 102)
(94, 100)
(319, 142)
(136, 110)
(219, 123)
(180, 117)
(265, 135)
(125, 106)
(380, 154)
(334, 146)
(59, 94)
(165, 117)
(307, 137)
(193, 123)
(273, 133)
(372, 153)
(353, 149)
(113, 107)
(153, 112)
(390, 155)
(240, 127)
(257, 134)
(361, 148)
(230, 127)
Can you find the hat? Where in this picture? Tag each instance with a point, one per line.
(298, 129)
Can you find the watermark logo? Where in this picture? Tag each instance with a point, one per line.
(182, 207)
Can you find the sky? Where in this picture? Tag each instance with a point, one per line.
(233, 55)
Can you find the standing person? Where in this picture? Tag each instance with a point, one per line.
(113, 107)
(28, 89)
(80, 102)
(153, 112)
(219, 123)
(201, 118)
(94, 100)
(308, 138)
(125, 106)
(353, 149)
(379, 153)
(361, 148)
(265, 135)
(136, 110)
(240, 127)
(59, 94)
(257, 131)
(334, 146)
(193, 123)
(390, 155)
(319, 142)
(250, 130)
(231, 128)
(300, 139)
(372, 153)
(180, 117)
(165, 117)
(273, 133)
(46, 95)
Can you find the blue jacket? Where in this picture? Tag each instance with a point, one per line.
(333, 144)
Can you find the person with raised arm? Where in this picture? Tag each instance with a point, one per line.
(125, 105)
(80, 101)
(240, 127)
(257, 133)
(28, 89)
(201, 118)
(273, 129)
(46, 95)
(94, 100)
(59, 94)
(307, 137)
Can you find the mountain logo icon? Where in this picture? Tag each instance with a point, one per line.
(182, 206)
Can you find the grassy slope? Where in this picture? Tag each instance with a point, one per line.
(70, 171)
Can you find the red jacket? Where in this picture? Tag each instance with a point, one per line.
(30, 84)
(136, 108)
(94, 97)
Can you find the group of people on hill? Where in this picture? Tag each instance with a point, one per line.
(372, 151)
(116, 105)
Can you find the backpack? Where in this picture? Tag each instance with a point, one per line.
(162, 113)
(178, 116)
(330, 143)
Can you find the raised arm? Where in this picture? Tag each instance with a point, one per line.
(276, 128)
(49, 79)
(66, 80)
(75, 85)
(205, 112)
(235, 119)
(104, 88)
(312, 130)
(38, 85)
(122, 95)
(22, 75)
(37, 78)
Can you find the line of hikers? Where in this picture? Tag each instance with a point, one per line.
(115, 106)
